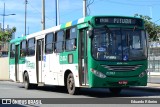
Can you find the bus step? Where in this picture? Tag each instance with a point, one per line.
(41, 84)
(84, 86)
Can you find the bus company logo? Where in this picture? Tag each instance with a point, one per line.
(30, 64)
(6, 101)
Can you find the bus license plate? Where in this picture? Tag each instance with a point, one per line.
(122, 82)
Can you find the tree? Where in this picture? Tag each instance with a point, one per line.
(5, 36)
(152, 28)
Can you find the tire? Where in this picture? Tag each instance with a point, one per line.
(115, 91)
(71, 85)
(27, 85)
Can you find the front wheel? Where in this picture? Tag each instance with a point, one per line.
(71, 85)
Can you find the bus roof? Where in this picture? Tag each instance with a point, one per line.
(18, 40)
(66, 25)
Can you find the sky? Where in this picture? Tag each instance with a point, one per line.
(71, 10)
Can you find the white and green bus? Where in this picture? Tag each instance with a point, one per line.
(95, 51)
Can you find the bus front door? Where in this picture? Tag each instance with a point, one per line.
(39, 61)
(82, 58)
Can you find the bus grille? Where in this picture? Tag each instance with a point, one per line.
(121, 68)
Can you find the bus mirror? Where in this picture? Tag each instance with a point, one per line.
(90, 32)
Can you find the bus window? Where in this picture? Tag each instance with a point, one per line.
(71, 36)
(12, 51)
(59, 39)
(73, 33)
(31, 47)
(49, 43)
(23, 48)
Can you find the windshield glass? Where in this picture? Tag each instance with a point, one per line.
(119, 44)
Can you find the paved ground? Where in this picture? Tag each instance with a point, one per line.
(153, 83)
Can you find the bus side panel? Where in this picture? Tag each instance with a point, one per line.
(20, 72)
(51, 69)
(74, 69)
(69, 62)
(21, 68)
(12, 71)
(31, 69)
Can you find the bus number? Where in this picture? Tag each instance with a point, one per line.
(63, 58)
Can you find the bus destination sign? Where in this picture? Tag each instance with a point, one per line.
(118, 20)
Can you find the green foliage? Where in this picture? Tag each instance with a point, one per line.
(152, 28)
(5, 36)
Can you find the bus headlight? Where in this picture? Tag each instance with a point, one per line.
(98, 73)
(143, 73)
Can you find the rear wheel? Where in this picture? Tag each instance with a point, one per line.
(27, 85)
(115, 91)
(71, 85)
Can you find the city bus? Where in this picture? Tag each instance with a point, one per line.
(91, 52)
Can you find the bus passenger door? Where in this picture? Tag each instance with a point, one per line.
(17, 62)
(39, 61)
(82, 57)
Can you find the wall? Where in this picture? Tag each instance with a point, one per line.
(4, 68)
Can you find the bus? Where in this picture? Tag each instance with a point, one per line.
(91, 52)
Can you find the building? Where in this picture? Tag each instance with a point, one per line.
(4, 45)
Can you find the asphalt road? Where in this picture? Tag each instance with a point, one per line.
(16, 90)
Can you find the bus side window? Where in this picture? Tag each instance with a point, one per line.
(71, 41)
(23, 48)
(49, 43)
(59, 42)
(12, 50)
(31, 47)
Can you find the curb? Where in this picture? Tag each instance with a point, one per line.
(6, 80)
(149, 88)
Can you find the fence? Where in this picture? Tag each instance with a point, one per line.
(154, 59)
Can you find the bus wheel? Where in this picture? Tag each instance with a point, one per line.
(71, 85)
(27, 85)
(115, 91)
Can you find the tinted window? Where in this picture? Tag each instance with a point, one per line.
(31, 47)
(49, 43)
(59, 41)
(73, 33)
(12, 51)
(70, 42)
(59, 36)
(23, 48)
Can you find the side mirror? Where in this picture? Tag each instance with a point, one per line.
(90, 32)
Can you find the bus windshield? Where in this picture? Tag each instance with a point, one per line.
(119, 44)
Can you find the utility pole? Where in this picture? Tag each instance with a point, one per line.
(43, 14)
(3, 16)
(84, 8)
(57, 12)
(26, 2)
